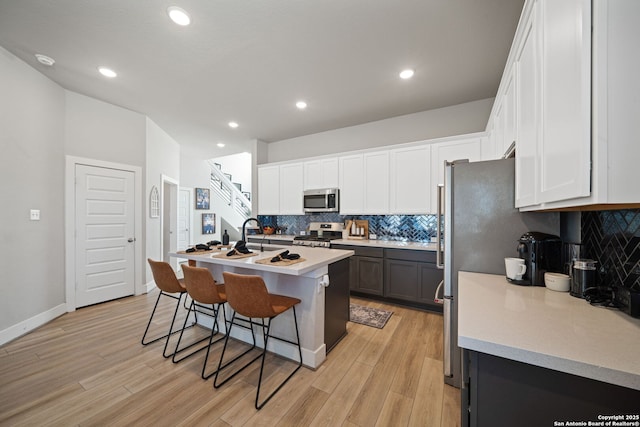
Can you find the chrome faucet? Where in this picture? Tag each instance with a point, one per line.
(244, 225)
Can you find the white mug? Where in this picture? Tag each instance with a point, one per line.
(515, 268)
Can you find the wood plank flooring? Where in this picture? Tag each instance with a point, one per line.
(88, 368)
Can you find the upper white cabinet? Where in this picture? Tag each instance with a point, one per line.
(564, 149)
(351, 184)
(364, 183)
(280, 189)
(268, 190)
(376, 183)
(410, 180)
(291, 176)
(577, 104)
(465, 148)
(321, 173)
(527, 72)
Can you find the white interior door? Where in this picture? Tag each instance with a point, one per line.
(105, 230)
(184, 219)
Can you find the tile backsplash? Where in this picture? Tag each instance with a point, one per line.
(613, 239)
(418, 228)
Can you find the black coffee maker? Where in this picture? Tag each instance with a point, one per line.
(541, 253)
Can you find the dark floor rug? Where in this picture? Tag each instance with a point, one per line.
(369, 316)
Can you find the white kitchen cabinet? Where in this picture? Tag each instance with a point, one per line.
(364, 183)
(268, 190)
(410, 180)
(464, 148)
(376, 183)
(291, 188)
(564, 148)
(615, 91)
(351, 173)
(321, 173)
(527, 72)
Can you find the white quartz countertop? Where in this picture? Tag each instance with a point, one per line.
(314, 258)
(286, 237)
(550, 329)
(391, 244)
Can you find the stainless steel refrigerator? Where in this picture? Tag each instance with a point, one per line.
(481, 228)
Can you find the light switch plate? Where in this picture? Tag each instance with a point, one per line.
(35, 215)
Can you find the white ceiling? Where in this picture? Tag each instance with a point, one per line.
(251, 60)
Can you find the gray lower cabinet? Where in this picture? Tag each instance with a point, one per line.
(398, 274)
(411, 276)
(503, 392)
(366, 270)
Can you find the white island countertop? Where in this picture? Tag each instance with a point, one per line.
(314, 258)
(549, 329)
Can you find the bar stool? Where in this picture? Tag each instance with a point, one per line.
(248, 296)
(202, 289)
(169, 284)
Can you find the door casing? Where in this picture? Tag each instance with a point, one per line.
(70, 223)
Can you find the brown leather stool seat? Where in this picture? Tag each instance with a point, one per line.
(204, 292)
(166, 280)
(248, 296)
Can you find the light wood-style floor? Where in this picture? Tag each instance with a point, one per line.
(89, 368)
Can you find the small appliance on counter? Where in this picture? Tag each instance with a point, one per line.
(583, 277)
(320, 234)
(541, 253)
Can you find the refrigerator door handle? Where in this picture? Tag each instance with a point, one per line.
(447, 337)
(439, 252)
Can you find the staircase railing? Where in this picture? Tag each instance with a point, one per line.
(228, 192)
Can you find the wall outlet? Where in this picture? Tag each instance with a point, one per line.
(35, 215)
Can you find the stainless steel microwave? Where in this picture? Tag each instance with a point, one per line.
(324, 200)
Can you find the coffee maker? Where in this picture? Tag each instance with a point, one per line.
(541, 253)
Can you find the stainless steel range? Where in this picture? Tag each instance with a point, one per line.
(320, 234)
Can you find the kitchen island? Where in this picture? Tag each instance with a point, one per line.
(321, 282)
(537, 356)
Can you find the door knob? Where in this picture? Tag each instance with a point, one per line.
(131, 239)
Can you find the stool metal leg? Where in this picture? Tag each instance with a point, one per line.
(258, 404)
(153, 312)
(221, 366)
(214, 330)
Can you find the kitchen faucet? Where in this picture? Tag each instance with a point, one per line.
(244, 225)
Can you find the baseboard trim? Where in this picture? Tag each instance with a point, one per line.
(26, 326)
(150, 286)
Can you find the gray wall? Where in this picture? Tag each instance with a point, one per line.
(32, 177)
(162, 158)
(102, 131)
(455, 120)
(40, 123)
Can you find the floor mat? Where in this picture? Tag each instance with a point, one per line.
(369, 316)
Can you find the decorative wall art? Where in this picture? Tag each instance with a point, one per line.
(208, 223)
(154, 203)
(202, 198)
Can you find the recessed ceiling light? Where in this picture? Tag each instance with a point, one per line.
(233, 125)
(301, 105)
(406, 74)
(179, 16)
(220, 144)
(45, 60)
(107, 72)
